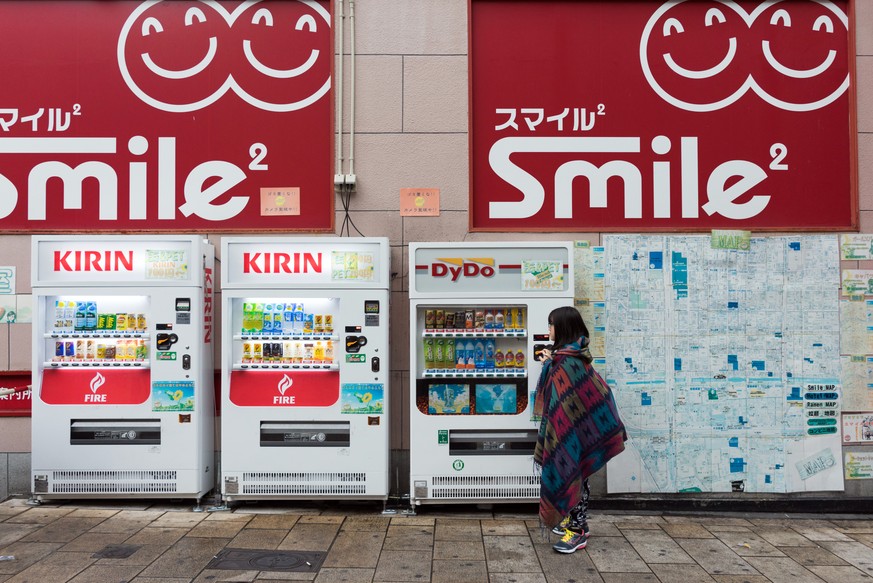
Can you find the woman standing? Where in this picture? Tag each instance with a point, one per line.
(579, 432)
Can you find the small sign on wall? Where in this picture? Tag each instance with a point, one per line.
(419, 202)
(280, 201)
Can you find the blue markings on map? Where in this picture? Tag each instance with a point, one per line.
(737, 465)
(734, 442)
(795, 395)
(656, 260)
(680, 274)
(733, 305)
(677, 364)
(768, 479)
(733, 362)
(645, 399)
(742, 420)
(794, 245)
(758, 365)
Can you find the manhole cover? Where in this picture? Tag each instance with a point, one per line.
(245, 560)
(116, 552)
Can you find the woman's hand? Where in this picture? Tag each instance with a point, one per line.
(547, 354)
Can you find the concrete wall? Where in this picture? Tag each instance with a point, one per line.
(411, 124)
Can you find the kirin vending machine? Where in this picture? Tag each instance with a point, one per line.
(123, 397)
(478, 317)
(304, 368)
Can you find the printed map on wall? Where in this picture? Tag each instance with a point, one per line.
(725, 363)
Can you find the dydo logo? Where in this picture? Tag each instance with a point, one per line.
(456, 267)
(98, 381)
(282, 399)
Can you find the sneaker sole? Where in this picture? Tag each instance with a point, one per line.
(572, 550)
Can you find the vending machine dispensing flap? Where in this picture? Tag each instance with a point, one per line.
(115, 432)
(484, 442)
(305, 434)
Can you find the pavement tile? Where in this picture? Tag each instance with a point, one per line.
(342, 575)
(217, 529)
(823, 534)
(522, 578)
(226, 576)
(656, 547)
(280, 576)
(273, 521)
(510, 554)
(740, 579)
(9, 532)
(321, 519)
(471, 551)
(784, 537)
(309, 537)
(179, 519)
(629, 577)
(807, 556)
(681, 573)
(402, 566)
(91, 542)
(457, 530)
(127, 521)
(715, 557)
(55, 567)
(158, 536)
(39, 515)
(714, 521)
(747, 544)
(865, 539)
(419, 542)
(783, 570)
(504, 528)
(63, 530)
(367, 523)
(615, 556)
(145, 555)
(452, 571)
(397, 530)
(258, 538)
(563, 568)
(93, 512)
(859, 555)
(105, 573)
(686, 530)
(189, 555)
(840, 574)
(601, 528)
(412, 521)
(161, 580)
(642, 524)
(26, 554)
(788, 522)
(854, 526)
(358, 550)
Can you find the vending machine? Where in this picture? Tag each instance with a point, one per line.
(304, 399)
(478, 317)
(123, 397)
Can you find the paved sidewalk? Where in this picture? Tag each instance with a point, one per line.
(151, 542)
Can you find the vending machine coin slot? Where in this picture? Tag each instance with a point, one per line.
(538, 351)
(166, 341)
(354, 343)
(375, 364)
(186, 361)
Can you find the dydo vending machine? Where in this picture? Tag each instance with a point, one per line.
(123, 398)
(304, 368)
(478, 315)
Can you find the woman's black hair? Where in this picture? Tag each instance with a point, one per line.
(569, 326)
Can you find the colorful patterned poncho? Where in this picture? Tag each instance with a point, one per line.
(580, 429)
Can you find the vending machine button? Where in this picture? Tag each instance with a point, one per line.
(374, 364)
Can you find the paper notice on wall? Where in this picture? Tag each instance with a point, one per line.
(857, 282)
(856, 246)
(856, 325)
(859, 465)
(857, 381)
(858, 427)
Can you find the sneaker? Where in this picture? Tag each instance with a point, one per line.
(561, 528)
(571, 542)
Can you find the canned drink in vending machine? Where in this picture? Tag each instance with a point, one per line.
(247, 352)
(141, 322)
(90, 349)
(69, 350)
(59, 350)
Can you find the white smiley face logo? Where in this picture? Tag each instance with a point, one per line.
(783, 18)
(152, 25)
(674, 26)
(264, 17)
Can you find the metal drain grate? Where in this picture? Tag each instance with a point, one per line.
(247, 560)
(116, 552)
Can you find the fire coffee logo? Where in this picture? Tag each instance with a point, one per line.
(98, 381)
(284, 384)
(275, 56)
(705, 55)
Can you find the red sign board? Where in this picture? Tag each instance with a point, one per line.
(96, 386)
(284, 388)
(662, 115)
(165, 116)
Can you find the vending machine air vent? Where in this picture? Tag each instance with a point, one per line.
(113, 482)
(298, 483)
(481, 487)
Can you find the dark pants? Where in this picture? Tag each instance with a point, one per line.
(579, 513)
